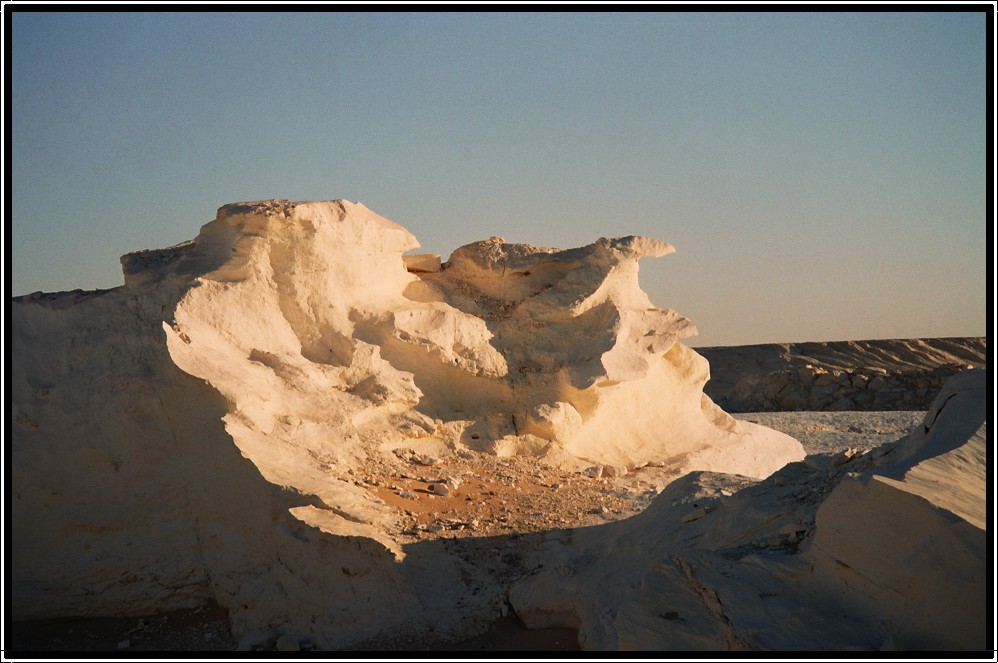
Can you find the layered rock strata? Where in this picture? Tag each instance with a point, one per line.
(896, 374)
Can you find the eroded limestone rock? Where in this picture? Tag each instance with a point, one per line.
(193, 433)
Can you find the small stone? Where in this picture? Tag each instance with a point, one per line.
(259, 639)
(594, 472)
(408, 495)
(288, 643)
(878, 383)
(825, 379)
(794, 532)
(441, 489)
(124, 644)
(790, 529)
(846, 456)
(805, 374)
(614, 471)
(428, 460)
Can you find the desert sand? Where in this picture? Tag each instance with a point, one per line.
(344, 445)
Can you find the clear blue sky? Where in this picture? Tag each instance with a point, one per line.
(822, 175)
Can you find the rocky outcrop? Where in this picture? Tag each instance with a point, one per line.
(899, 374)
(883, 550)
(193, 434)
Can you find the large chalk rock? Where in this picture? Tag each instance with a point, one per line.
(577, 337)
(192, 433)
(879, 551)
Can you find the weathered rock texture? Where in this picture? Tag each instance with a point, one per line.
(865, 551)
(897, 374)
(192, 433)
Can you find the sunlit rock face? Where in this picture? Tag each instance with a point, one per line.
(175, 436)
(310, 315)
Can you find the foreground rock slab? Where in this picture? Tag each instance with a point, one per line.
(885, 550)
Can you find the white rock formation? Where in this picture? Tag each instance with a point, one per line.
(886, 550)
(315, 314)
(191, 434)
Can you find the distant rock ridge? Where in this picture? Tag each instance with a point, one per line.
(889, 374)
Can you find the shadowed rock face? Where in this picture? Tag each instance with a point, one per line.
(885, 550)
(192, 433)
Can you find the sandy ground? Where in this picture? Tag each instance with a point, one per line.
(514, 497)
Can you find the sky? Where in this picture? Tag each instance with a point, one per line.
(821, 175)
